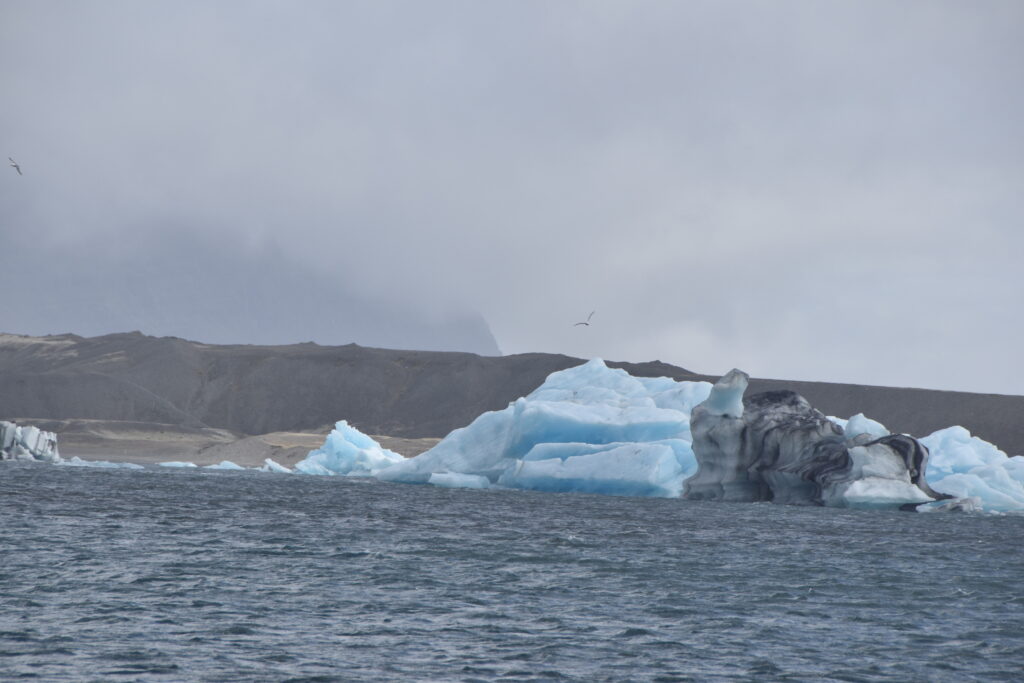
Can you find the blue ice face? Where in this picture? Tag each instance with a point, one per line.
(589, 429)
(968, 467)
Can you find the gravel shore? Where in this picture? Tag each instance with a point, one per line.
(151, 443)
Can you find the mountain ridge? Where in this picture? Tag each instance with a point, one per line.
(257, 389)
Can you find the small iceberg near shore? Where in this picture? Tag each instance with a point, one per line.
(347, 451)
(79, 462)
(270, 465)
(224, 465)
(965, 466)
(27, 443)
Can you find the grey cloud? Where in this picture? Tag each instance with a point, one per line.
(807, 190)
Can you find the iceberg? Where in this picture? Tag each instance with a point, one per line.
(270, 465)
(106, 464)
(776, 447)
(223, 465)
(177, 463)
(593, 429)
(588, 429)
(347, 451)
(27, 443)
(965, 466)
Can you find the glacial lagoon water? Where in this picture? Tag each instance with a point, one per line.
(185, 575)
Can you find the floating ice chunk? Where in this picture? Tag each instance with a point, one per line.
(27, 443)
(582, 411)
(272, 466)
(347, 451)
(453, 480)
(964, 466)
(223, 465)
(176, 463)
(78, 462)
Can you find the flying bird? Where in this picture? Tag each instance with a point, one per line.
(15, 165)
(587, 321)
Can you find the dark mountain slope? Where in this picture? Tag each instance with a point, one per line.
(260, 389)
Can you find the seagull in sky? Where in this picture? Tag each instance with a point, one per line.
(587, 321)
(15, 165)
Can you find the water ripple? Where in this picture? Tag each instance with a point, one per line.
(233, 576)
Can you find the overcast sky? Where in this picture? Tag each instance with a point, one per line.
(817, 190)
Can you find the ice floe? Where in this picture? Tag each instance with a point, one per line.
(348, 451)
(27, 443)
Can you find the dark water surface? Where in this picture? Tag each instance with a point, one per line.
(224, 576)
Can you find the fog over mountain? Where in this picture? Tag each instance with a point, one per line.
(807, 190)
(213, 291)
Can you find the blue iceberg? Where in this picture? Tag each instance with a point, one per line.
(589, 429)
(965, 466)
(346, 451)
